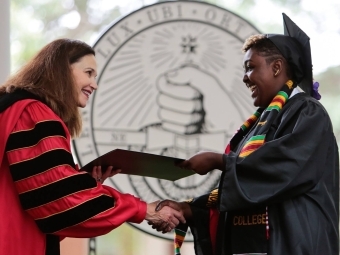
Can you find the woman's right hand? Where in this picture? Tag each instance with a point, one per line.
(181, 207)
(165, 218)
(203, 162)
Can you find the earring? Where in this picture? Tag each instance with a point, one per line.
(277, 72)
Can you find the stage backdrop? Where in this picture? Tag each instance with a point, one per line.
(170, 83)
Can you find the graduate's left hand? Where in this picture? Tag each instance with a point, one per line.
(100, 176)
(203, 162)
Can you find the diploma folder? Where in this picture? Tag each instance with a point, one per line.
(140, 163)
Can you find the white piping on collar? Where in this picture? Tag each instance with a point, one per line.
(295, 91)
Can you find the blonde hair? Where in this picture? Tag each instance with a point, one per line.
(49, 76)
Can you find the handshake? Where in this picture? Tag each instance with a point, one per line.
(167, 214)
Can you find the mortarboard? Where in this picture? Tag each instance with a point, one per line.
(295, 47)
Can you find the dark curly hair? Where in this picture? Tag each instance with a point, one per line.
(267, 49)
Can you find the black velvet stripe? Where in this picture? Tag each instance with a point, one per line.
(6, 100)
(31, 137)
(41, 163)
(56, 190)
(52, 245)
(75, 215)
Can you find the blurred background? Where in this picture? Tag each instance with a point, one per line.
(34, 23)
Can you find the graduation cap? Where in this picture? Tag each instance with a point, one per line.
(295, 47)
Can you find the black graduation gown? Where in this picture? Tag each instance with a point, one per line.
(295, 173)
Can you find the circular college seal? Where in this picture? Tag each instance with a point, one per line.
(170, 83)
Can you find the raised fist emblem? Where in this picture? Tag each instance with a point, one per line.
(191, 101)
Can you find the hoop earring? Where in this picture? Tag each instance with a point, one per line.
(277, 72)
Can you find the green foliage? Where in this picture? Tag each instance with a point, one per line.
(34, 23)
(329, 81)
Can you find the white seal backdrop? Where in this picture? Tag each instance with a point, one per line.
(170, 83)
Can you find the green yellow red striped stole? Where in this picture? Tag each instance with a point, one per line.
(252, 144)
(266, 116)
(250, 122)
(181, 229)
(278, 102)
(179, 239)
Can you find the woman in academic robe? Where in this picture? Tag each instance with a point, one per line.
(44, 197)
(279, 187)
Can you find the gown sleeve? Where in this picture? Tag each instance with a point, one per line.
(61, 200)
(288, 165)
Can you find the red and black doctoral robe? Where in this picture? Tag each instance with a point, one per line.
(43, 197)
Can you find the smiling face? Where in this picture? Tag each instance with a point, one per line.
(263, 79)
(84, 73)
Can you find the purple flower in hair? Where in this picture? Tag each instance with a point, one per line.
(316, 94)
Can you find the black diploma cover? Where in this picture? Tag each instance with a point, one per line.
(140, 163)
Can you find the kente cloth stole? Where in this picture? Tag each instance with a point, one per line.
(180, 233)
(267, 116)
